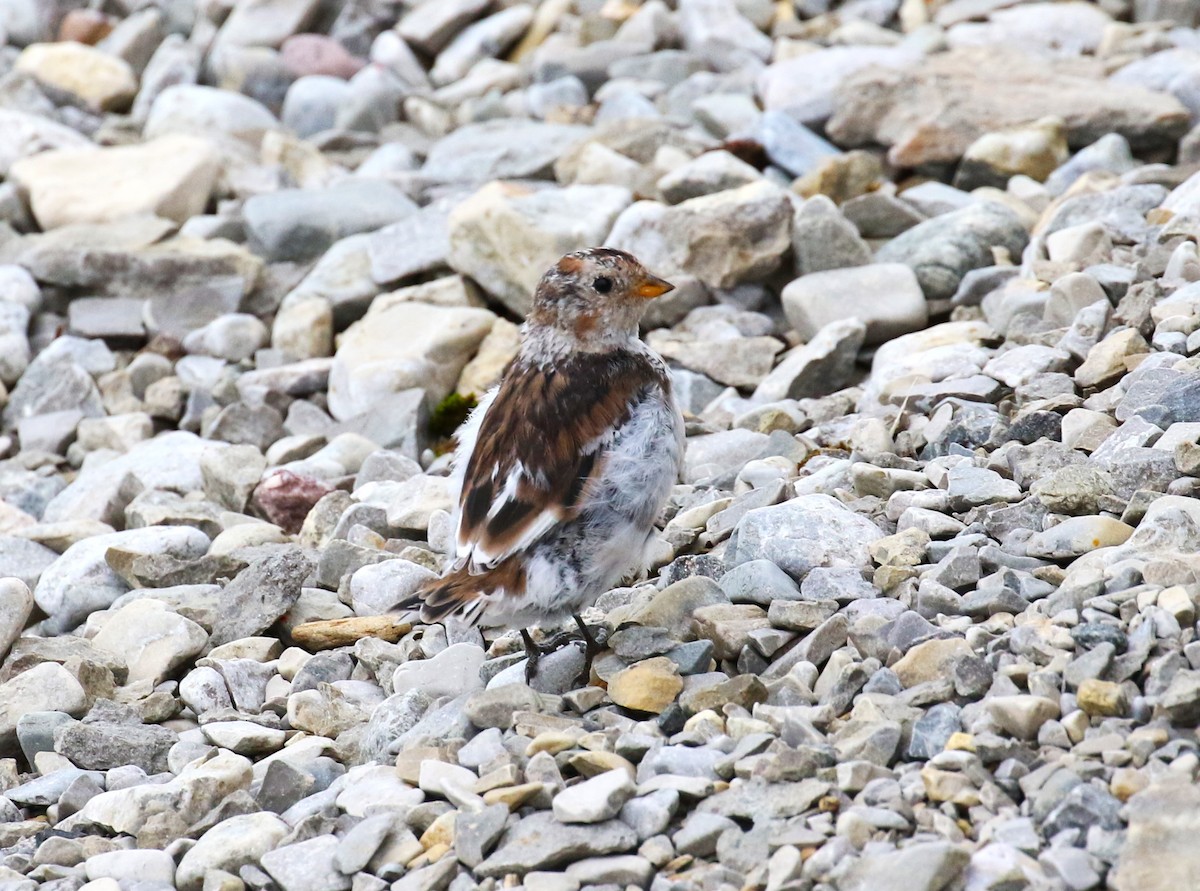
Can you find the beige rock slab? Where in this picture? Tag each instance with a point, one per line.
(170, 177)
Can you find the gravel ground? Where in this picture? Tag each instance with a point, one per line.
(922, 614)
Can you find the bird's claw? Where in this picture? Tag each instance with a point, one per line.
(594, 638)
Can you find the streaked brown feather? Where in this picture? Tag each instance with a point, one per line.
(459, 589)
(548, 420)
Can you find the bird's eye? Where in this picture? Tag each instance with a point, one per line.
(603, 284)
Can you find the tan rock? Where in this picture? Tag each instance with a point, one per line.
(648, 686)
(745, 690)
(1104, 698)
(931, 660)
(1022, 715)
(513, 796)
(945, 785)
(728, 626)
(497, 350)
(1107, 360)
(1034, 150)
(905, 548)
(94, 78)
(171, 177)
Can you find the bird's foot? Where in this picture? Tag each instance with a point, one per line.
(594, 638)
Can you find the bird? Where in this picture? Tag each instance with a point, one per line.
(563, 467)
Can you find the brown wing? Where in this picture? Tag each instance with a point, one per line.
(542, 439)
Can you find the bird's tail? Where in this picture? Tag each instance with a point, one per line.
(463, 594)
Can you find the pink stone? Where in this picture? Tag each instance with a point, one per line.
(285, 498)
(305, 54)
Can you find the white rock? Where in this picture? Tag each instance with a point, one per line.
(376, 784)
(81, 581)
(16, 603)
(231, 844)
(132, 866)
(151, 638)
(806, 532)
(592, 801)
(47, 687)
(23, 134)
(204, 690)
(453, 671)
(507, 235)
(234, 337)
(1021, 715)
(244, 737)
(198, 788)
(171, 177)
(375, 589)
(18, 286)
(208, 111)
(435, 776)
(405, 346)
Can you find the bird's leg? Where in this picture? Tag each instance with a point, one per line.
(595, 641)
(533, 653)
(593, 644)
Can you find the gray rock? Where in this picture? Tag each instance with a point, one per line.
(886, 297)
(942, 250)
(1158, 852)
(927, 866)
(758, 581)
(931, 732)
(53, 384)
(539, 841)
(479, 153)
(791, 145)
(822, 238)
(709, 173)
(297, 224)
(418, 243)
(475, 834)
(306, 865)
(259, 595)
(804, 533)
(673, 240)
(21, 561)
(102, 745)
(822, 366)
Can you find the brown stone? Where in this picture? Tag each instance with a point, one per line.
(328, 634)
(88, 26)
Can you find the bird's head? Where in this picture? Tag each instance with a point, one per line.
(595, 297)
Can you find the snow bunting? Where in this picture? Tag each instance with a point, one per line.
(562, 469)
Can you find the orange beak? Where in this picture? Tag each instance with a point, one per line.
(652, 286)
